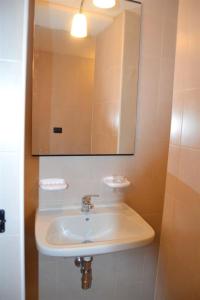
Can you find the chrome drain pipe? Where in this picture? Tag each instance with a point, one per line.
(85, 264)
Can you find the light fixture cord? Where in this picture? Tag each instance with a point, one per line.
(81, 6)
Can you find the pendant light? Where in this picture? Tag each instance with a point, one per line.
(104, 3)
(79, 24)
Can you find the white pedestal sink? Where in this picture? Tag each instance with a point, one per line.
(106, 229)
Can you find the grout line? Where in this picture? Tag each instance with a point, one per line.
(185, 90)
(2, 60)
(186, 147)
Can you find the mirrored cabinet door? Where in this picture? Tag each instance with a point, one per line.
(85, 75)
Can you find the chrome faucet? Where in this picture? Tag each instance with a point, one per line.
(86, 203)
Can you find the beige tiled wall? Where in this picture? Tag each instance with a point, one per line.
(129, 275)
(13, 45)
(179, 260)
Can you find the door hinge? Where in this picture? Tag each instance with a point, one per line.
(2, 221)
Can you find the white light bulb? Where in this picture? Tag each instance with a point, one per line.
(79, 25)
(104, 3)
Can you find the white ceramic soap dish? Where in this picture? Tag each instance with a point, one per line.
(116, 181)
(53, 184)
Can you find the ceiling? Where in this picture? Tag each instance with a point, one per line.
(58, 14)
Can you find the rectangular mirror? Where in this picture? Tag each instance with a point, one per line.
(85, 88)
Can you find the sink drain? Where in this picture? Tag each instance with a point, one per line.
(87, 241)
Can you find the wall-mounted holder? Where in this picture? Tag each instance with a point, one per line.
(116, 181)
(53, 184)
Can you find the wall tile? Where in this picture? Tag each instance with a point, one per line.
(174, 160)
(47, 280)
(191, 124)
(10, 84)
(178, 267)
(9, 191)
(10, 282)
(189, 168)
(11, 26)
(104, 285)
(177, 118)
(152, 35)
(149, 271)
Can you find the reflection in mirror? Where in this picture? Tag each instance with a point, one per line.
(85, 89)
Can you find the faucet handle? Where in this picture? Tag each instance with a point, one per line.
(87, 198)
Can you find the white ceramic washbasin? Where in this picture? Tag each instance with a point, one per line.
(105, 229)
